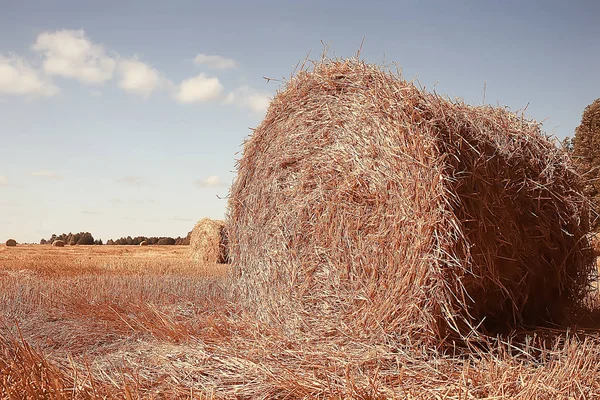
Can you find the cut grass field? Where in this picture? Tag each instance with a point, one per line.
(144, 322)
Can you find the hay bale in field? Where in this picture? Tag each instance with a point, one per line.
(11, 243)
(208, 242)
(72, 243)
(58, 243)
(143, 243)
(367, 205)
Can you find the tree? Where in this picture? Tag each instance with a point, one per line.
(586, 153)
(85, 239)
(567, 145)
(166, 241)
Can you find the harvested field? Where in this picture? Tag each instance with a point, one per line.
(119, 321)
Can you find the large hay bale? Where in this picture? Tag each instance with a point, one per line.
(208, 242)
(11, 243)
(143, 243)
(58, 243)
(366, 205)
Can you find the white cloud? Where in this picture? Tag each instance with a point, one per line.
(90, 212)
(182, 219)
(214, 61)
(254, 100)
(69, 53)
(3, 180)
(133, 201)
(197, 89)
(211, 181)
(138, 77)
(257, 102)
(229, 98)
(45, 174)
(132, 180)
(17, 77)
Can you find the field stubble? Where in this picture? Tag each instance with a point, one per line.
(144, 322)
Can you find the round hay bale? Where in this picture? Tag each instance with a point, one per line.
(58, 243)
(143, 243)
(11, 243)
(72, 243)
(208, 242)
(364, 204)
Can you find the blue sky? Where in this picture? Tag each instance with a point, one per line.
(124, 118)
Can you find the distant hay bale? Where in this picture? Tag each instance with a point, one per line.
(208, 242)
(58, 243)
(11, 243)
(143, 243)
(72, 243)
(366, 205)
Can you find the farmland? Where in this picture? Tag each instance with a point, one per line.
(96, 314)
(144, 322)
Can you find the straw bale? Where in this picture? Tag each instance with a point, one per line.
(143, 243)
(366, 206)
(11, 243)
(208, 242)
(58, 243)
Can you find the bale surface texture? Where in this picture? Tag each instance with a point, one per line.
(208, 242)
(367, 206)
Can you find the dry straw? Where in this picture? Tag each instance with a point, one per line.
(11, 243)
(364, 206)
(58, 243)
(595, 243)
(208, 242)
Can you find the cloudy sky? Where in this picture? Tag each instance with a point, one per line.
(126, 117)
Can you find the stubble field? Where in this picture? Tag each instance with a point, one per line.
(145, 322)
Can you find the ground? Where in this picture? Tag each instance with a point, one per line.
(145, 322)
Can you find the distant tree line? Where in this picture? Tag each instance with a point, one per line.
(161, 241)
(81, 238)
(86, 238)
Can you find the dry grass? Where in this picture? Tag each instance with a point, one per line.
(595, 243)
(128, 322)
